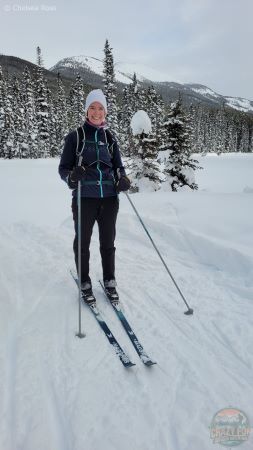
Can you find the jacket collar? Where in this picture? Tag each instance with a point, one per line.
(88, 123)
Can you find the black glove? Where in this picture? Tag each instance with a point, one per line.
(76, 175)
(123, 184)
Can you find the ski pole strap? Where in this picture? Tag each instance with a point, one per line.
(98, 182)
(80, 141)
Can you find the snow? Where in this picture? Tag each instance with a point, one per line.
(203, 90)
(59, 392)
(242, 104)
(124, 72)
(140, 123)
(94, 64)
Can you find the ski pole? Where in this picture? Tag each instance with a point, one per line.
(189, 310)
(79, 334)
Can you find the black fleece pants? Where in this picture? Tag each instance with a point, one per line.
(104, 211)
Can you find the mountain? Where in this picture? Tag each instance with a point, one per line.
(239, 103)
(89, 68)
(91, 71)
(13, 66)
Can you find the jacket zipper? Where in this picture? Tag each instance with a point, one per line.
(98, 165)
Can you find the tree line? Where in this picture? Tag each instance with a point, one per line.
(34, 121)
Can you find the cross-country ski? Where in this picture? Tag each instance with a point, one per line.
(132, 336)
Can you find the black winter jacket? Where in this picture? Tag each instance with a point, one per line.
(101, 158)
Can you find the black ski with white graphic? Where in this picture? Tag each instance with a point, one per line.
(119, 352)
(132, 336)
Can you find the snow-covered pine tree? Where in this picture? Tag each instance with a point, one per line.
(134, 96)
(42, 119)
(149, 152)
(151, 105)
(124, 123)
(250, 124)
(52, 123)
(144, 165)
(39, 59)
(179, 165)
(70, 109)
(30, 113)
(244, 137)
(220, 131)
(2, 110)
(196, 122)
(19, 119)
(9, 149)
(249, 133)
(62, 127)
(156, 111)
(131, 100)
(110, 89)
(191, 116)
(77, 99)
(229, 137)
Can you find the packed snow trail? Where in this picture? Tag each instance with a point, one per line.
(63, 393)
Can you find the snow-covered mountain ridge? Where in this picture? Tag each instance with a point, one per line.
(91, 70)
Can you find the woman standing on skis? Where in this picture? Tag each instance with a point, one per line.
(102, 177)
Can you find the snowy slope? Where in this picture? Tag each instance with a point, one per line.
(124, 72)
(92, 64)
(61, 393)
(204, 90)
(239, 103)
(242, 104)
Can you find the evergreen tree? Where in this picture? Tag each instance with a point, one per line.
(9, 150)
(149, 153)
(30, 113)
(244, 137)
(130, 105)
(136, 103)
(77, 99)
(156, 111)
(144, 164)
(179, 161)
(61, 113)
(42, 113)
(70, 109)
(110, 89)
(124, 124)
(19, 120)
(52, 124)
(39, 61)
(2, 110)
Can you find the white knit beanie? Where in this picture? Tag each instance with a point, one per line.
(96, 95)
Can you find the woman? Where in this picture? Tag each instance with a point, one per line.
(102, 177)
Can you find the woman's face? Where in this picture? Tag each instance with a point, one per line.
(96, 113)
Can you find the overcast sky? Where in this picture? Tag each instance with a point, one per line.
(201, 41)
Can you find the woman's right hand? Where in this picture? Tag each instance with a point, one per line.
(77, 174)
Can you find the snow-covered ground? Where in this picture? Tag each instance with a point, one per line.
(59, 392)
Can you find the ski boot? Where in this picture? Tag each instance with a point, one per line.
(87, 294)
(110, 290)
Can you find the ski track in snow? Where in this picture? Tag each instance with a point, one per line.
(59, 392)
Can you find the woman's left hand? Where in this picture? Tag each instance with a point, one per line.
(123, 184)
